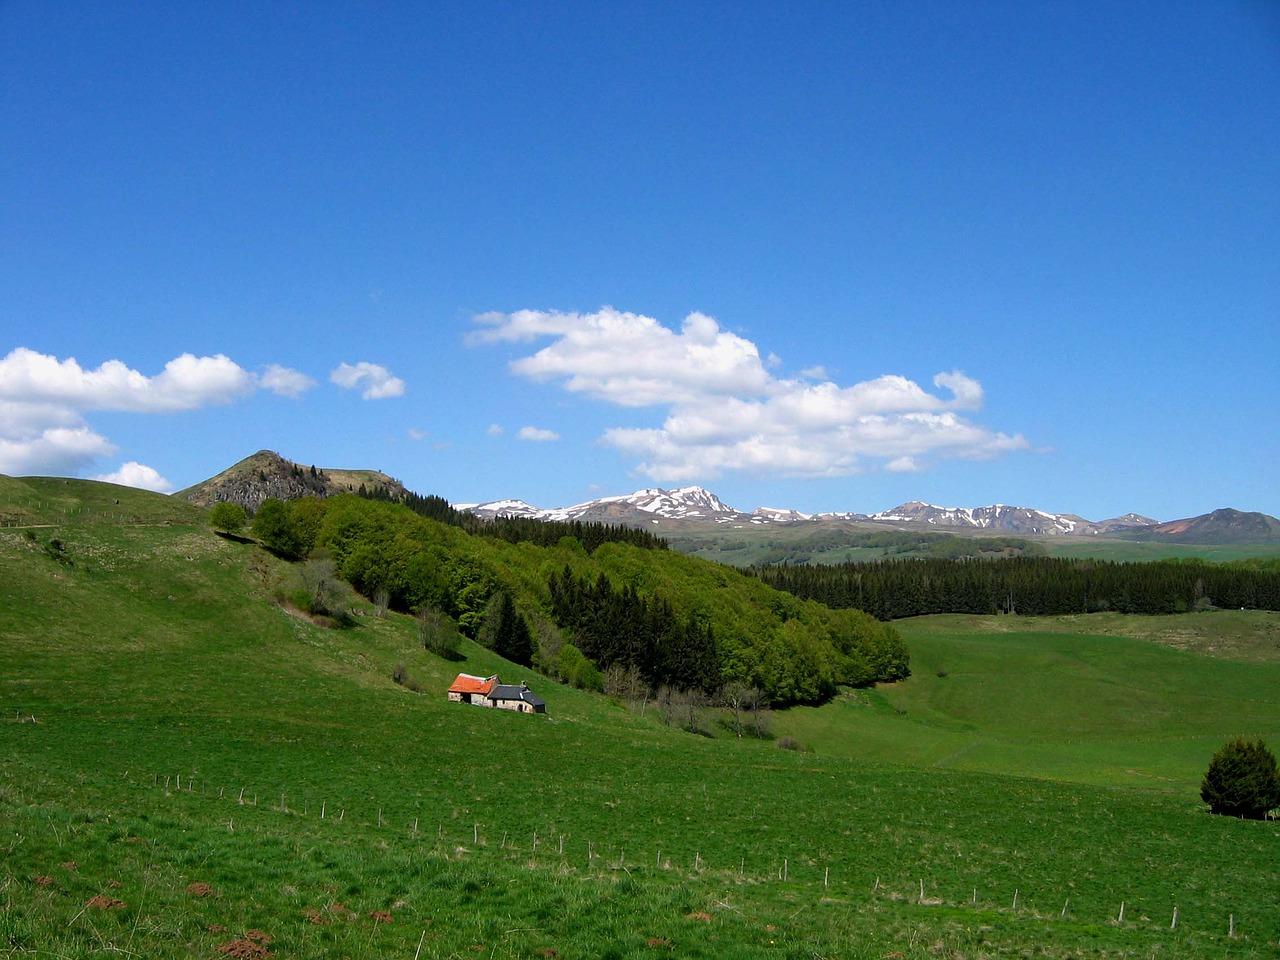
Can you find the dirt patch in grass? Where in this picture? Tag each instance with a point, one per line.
(42, 881)
(200, 889)
(380, 916)
(101, 902)
(244, 949)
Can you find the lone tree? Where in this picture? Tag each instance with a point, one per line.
(228, 517)
(1242, 780)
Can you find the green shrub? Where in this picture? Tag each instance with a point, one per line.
(439, 634)
(575, 669)
(1242, 780)
(301, 598)
(401, 676)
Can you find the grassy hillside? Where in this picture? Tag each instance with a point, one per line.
(186, 769)
(1103, 699)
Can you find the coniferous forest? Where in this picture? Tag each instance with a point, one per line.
(615, 627)
(1033, 586)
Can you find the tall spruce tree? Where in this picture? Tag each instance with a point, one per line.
(512, 637)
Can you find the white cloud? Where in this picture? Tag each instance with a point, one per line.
(134, 474)
(51, 451)
(537, 434)
(416, 434)
(377, 381)
(186, 383)
(285, 382)
(725, 411)
(904, 465)
(44, 400)
(494, 430)
(628, 359)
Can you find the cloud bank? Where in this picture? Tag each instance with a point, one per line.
(44, 400)
(726, 412)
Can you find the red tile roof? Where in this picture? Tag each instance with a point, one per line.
(469, 684)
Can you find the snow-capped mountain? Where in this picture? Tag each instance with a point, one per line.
(685, 503)
(654, 505)
(997, 517)
(501, 508)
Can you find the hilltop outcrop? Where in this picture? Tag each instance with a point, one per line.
(266, 474)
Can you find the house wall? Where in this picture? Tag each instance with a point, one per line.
(480, 700)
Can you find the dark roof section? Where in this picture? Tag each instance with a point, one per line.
(512, 691)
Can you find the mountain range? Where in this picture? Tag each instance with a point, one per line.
(267, 474)
(659, 507)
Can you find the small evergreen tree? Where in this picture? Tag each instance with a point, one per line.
(1242, 780)
(505, 631)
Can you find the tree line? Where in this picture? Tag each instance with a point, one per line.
(544, 533)
(1034, 586)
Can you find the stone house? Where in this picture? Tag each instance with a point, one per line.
(489, 692)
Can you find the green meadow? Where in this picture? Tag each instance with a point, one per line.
(191, 770)
(1101, 699)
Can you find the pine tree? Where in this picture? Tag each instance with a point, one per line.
(510, 633)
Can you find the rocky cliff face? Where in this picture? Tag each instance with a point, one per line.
(266, 474)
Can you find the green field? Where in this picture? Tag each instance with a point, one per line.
(191, 770)
(1124, 550)
(1102, 699)
(836, 542)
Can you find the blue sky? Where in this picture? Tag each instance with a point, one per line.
(827, 256)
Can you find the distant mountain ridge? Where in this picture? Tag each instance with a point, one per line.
(693, 503)
(267, 474)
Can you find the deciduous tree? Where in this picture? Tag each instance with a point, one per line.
(228, 517)
(273, 525)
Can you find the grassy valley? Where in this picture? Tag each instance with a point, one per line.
(192, 769)
(1104, 699)
(833, 542)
